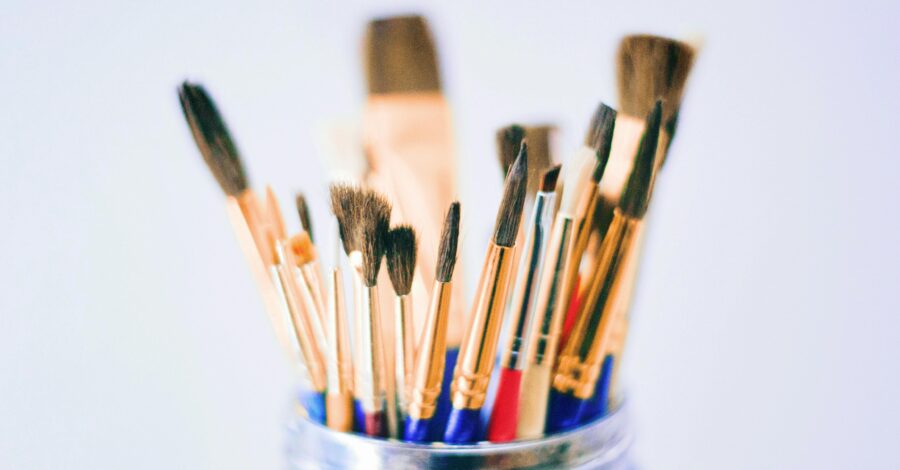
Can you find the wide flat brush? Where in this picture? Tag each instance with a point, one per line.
(428, 377)
(502, 423)
(479, 347)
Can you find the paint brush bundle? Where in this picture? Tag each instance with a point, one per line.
(400, 353)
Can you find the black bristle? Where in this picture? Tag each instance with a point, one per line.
(303, 212)
(636, 196)
(401, 258)
(509, 140)
(447, 247)
(548, 181)
(212, 138)
(599, 137)
(650, 68)
(510, 214)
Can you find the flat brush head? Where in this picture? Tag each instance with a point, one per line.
(650, 68)
(548, 181)
(401, 258)
(343, 205)
(212, 138)
(400, 56)
(373, 225)
(636, 196)
(510, 214)
(303, 212)
(599, 137)
(509, 140)
(447, 247)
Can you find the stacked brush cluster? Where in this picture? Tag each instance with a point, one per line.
(402, 355)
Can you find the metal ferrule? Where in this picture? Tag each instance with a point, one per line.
(479, 346)
(544, 329)
(371, 390)
(429, 371)
(404, 350)
(581, 360)
(523, 301)
(309, 350)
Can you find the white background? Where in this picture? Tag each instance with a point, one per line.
(766, 331)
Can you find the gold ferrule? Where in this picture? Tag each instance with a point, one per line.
(371, 390)
(429, 370)
(581, 360)
(544, 329)
(405, 350)
(479, 346)
(527, 281)
(310, 352)
(339, 367)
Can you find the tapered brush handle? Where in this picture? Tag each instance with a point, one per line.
(503, 422)
(339, 415)
(563, 411)
(533, 401)
(463, 426)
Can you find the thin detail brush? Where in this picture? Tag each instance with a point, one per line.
(401, 263)
(479, 346)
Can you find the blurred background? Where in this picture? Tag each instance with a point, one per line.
(765, 331)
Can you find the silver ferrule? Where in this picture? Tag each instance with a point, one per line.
(523, 301)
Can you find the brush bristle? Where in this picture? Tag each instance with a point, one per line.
(599, 137)
(650, 68)
(509, 140)
(342, 205)
(400, 56)
(636, 196)
(447, 248)
(212, 138)
(372, 222)
(510, 214)
(302, 248)
(401, 258)
(548, 181)
(303, 212)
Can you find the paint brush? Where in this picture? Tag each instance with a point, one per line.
(477, 352)
(339, 396)
(401, 264)
(428, 376)
(583, 170)
(502, 424)
(581, 360)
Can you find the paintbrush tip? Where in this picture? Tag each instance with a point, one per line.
(548, 181)
(448, 245)
(400, 56)
(401, 258)
(599, 137)
(650, 68)
(212, 138)
(510, 214)
(636, 196)
(303, 213)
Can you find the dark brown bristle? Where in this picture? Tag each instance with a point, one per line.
(212, 138)
(650, 68)
(343, 207)
(548, 181)
(373, 224)
(509, 140)
(401, 258)
(447, 248)
(636, 196)
(509, 216)
(599, 137)
(303, 212)
(400, 56)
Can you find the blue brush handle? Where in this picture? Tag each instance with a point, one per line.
(596, 407)
(562, 412)
(418, 430)
(359, 418)
(442, 413)
(463, 426)
(314, 402)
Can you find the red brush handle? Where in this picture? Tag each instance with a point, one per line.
(502, 426)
